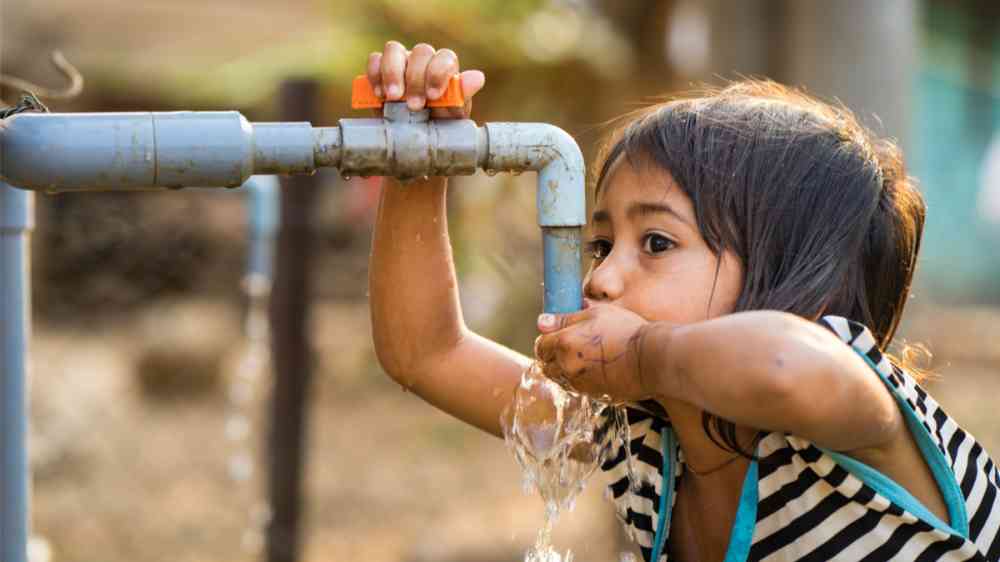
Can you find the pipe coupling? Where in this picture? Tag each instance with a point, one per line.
(408, 145)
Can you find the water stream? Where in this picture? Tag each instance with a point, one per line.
(551, 433)
(243, 414)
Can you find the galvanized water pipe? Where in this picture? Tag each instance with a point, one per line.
(16, 222)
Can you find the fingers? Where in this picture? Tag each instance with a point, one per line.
(440, 69)
(548, 323)
(472, 82)
(417, 71)
(421, 75)
(374, 72)
(393, 70)
(554, 372)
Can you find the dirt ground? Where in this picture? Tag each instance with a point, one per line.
(122, 476)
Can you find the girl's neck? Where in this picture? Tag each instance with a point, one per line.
(704, 459)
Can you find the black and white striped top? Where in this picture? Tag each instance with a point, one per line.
(802, 502)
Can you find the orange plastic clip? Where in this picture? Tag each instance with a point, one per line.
(363, 95)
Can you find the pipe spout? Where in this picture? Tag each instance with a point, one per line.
(561, 199)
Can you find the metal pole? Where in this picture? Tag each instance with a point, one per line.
(16, 221)
(290, 346)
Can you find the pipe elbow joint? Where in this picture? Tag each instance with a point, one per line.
(555, 155)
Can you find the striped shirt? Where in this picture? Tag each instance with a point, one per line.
(802, 502)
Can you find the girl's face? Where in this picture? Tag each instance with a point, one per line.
(649, 256)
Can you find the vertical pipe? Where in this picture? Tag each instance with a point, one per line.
(16, 221)
(263, 193)
(290, 343)
(561, 251)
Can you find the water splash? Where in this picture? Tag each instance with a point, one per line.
(551, 433)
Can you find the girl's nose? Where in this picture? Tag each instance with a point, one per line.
(604, 283)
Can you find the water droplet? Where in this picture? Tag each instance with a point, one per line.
(240, 391)
(491, 172)
(240, 467)
(425, 178)
(237, 427)
(345, 176)
(516, 172)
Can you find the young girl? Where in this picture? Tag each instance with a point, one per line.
(752, 254)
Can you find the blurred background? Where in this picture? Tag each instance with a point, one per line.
(150, 403)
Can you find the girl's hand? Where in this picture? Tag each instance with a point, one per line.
(594, 351)
(419, 75)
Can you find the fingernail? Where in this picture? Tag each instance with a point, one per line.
(433, 93)
(378, 91)
(415, 103)
(393, 91)
(546, 320)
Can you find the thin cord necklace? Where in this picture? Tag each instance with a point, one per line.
(715, 468)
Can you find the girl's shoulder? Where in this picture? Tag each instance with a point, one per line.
(924, 415)
(968, 478)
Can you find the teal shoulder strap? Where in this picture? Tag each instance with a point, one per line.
(746, 515)
(669, 447)
(935, 459)
(746, 518)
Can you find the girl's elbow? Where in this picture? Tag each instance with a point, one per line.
(407, 360)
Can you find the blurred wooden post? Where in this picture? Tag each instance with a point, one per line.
(291, 352)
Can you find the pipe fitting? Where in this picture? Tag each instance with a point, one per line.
(409, 145)
(554, 154)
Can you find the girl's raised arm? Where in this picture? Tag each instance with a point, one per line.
(420, 336)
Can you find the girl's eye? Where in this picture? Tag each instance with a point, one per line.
(599, 248)
(654, 243)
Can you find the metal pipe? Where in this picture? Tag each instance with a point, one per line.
(16, 221)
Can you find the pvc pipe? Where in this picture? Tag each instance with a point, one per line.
(134, 151)
(16, 221)
(222, 149)
(561, 200)
(263, 209)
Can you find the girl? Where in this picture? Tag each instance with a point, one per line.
(752, 250)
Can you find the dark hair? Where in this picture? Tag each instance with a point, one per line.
(821, 214)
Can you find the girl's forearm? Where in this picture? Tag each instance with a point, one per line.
(771, 371)
(415, 310)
